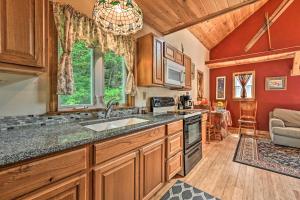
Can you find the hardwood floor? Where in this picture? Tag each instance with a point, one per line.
(218, 175)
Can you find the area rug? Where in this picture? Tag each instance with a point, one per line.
(183, 191)
(262, 153)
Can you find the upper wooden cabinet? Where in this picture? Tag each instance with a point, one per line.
(23, 35)
(173, 54)
(188, 72)
(150, 68)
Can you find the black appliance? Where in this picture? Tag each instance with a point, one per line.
(186, 101)
(192, 130)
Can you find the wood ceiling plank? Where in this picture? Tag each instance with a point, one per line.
(210, 16)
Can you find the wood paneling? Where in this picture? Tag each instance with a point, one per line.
(23, 32)
(69, 189)
(213, 31)
(118, 179)
(26, 178)
(152, 169)
(112, 148)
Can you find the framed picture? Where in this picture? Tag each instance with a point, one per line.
(221, 86)
(276, 83)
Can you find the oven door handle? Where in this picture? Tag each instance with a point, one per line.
(193, 121)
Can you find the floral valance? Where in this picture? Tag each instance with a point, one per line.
(71, 26)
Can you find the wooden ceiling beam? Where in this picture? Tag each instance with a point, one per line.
(210, 16)
(278, 54)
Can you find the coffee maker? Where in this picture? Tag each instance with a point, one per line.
(186, 101)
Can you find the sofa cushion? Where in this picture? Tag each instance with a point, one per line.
(291, 118)
(287, 132)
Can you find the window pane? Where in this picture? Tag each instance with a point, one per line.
(115, 78)
(238, 87)
(83, 76)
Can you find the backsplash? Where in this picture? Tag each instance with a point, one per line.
(13, 122)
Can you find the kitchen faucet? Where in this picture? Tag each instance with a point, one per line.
(109, 107)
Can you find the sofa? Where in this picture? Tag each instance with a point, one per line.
(285, 127)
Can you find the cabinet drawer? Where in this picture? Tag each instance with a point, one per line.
(174, 144)
(28, 177)
(174, 127)
(110, 149)
(174, 165)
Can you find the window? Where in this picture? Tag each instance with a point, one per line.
(244, 85)
(98, 78)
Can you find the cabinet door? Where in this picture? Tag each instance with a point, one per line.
(179, 57)
(152, 158)
(117, 179)
(169, 52)
(188, 72)
(22, 32)
(71, 189)
(158, 66)
(174, 165)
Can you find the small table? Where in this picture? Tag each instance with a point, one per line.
(222, 120)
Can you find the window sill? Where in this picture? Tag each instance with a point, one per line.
(81, 110)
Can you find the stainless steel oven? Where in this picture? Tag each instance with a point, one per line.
(192, 131)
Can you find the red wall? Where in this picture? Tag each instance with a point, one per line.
(285, 33)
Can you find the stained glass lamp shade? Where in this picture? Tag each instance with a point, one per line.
(120, 17)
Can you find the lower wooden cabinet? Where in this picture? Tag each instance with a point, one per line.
(70, 189)
(174, 165)
(118, 179)
(132, 167)
(152, 170)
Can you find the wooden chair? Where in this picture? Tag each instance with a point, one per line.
(215, 104)
(212, 126)
(248, 110)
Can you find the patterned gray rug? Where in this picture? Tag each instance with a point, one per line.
(183, 191)
(262, 153)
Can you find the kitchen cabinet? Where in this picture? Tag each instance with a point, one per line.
(130, 167)
(21, 180)
(204, 127)
(172, 53)
(118, 179)
(70, 189)
(188, 72)
(150, 67)
(23, 35)
(174, 149)
(152, 169)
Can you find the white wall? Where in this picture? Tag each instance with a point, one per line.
(25, 95)
(194, 49)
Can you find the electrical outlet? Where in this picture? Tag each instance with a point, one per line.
(144, 95)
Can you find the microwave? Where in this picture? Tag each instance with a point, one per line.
(174, 73)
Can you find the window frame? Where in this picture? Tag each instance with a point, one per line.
(53, 107)
(252, 90)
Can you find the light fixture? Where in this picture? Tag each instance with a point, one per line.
(120, 17)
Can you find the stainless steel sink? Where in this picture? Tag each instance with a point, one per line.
(102, 126)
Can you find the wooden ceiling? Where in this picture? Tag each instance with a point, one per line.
(204, 18)
(213, 31)
(212, 25)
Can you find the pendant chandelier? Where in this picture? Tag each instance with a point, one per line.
(120, 17)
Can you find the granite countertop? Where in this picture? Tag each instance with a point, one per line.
(32, 142)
